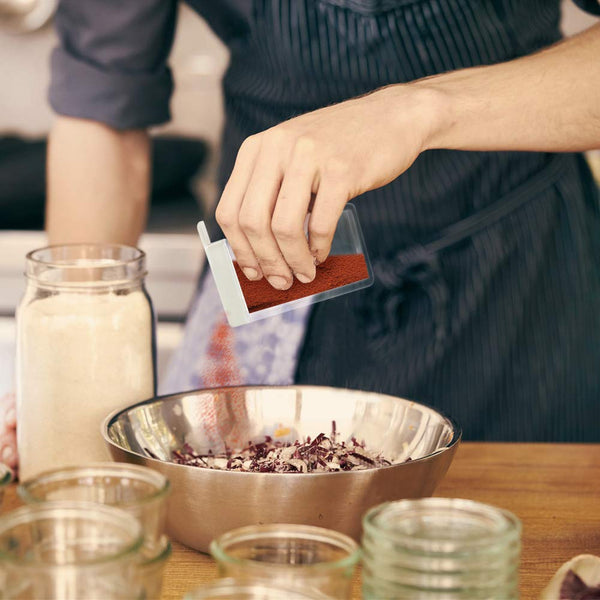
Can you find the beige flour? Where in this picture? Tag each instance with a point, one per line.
(80, 356)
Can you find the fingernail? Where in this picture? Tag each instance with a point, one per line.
(7, 454)
(250, 273)
(303, 278)
(279, 283)
(10, 419)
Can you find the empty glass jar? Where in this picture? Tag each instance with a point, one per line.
(230, 589)
(69, 551)
(153, 560)
(297, 556)
(439, 548)
(139, 491)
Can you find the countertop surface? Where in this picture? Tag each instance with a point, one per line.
(553, 488)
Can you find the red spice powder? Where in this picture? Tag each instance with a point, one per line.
(336, 271)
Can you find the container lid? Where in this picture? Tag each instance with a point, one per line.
(348, 269)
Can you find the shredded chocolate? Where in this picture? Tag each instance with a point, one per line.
(320, 455)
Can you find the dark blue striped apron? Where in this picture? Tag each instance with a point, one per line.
(486, 303)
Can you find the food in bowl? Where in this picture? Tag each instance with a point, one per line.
(205, 503)
(321, 454)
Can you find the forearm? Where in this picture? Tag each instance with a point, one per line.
(549, 101)
(98, 183)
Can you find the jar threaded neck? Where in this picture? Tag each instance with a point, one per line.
(86, 266)
(422, 548)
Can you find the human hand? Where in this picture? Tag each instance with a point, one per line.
(316, 163)
(8, 432)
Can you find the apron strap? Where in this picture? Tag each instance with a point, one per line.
(419, 264)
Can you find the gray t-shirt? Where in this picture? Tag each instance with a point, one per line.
(111, 63)
(489, 316)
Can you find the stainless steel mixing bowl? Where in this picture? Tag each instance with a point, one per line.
(206, 503)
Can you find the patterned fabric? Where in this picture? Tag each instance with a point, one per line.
(213, 354)
(496, 324)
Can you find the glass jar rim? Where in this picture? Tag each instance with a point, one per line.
(218, 547)
(33, 255)
(118, 517)
(89, 266)
(26, 489)
(509, 524)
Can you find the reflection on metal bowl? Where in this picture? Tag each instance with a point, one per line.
(206, 503)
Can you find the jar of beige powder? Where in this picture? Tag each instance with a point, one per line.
(85, 347)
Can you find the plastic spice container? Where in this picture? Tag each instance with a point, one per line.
(85, 347)
(438, 548)
(347, 269)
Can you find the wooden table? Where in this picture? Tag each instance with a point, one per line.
(553, 488)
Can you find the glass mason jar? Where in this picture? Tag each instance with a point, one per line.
(69, 551)
(231, 589)
(440, 548)
(302, 557)
(151, 569)
(134, 489)
(85, 347)
(138, 490)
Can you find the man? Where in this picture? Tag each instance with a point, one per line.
(486, 250)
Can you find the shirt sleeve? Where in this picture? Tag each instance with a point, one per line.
(110, 64)
(591, 6)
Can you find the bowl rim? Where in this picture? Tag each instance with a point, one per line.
(114, 415)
